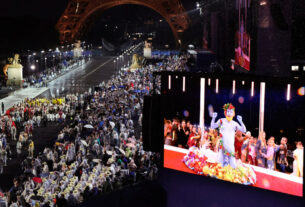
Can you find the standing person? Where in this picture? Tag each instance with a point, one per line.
(270, 154)
(183, 133)
(18, 148)
(245, 148)
(31, 149)
(2, 107)
(261, 148)
(251, 151)
(282, 158)
(1, 165)
(298, 155)
(227, 129)
(13, 131)
(239, 140)
(194, 138)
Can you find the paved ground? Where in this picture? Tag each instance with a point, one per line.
(79, 80)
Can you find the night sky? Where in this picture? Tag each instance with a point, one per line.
(30, 24)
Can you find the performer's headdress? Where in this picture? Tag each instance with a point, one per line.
(228, 106)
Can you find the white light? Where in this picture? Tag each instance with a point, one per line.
(202, 99)
(294, 68)
(34, 53)
(288, 92)
(303, 68)
(42, 51)
(263, 3)
(33, 67)
(197, 5)
(243, 82)
(45, 58)
(183, 84)
(262, 106)
(234, 85)
(176, 77)
(37, 61)
(169, 82)
(252, 88)
(217, 86)
(209, 81)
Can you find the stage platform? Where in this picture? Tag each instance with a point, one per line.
(266, 179)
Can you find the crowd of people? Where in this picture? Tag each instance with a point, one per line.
(99, 148)
(257, 151)
(41, 78)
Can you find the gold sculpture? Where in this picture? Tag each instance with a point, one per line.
(136, 62)
(147, 44)
(13, 63)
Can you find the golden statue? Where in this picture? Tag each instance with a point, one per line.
(13, 63)
(5, 70)
(136, 62)
(147, 44)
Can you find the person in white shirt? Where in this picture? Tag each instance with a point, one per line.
(298, 155)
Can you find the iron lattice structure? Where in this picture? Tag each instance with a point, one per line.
(81, 13)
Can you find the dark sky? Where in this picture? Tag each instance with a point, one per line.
(45, 9)
(30, 24)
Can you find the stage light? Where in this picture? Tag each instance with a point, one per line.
(303, 68)
(301, 91)
(288, 92)
(217, 86)
(262, 106)
(169, 82)
(202, 99)
(234, 85)
(176, 77)
(241, 100)
(263, 3)
(33, 67)
(183, 84)
(294, 68)
(252, 88)
(209, 81)
(197, 5)
(186, 113)
(243, 82)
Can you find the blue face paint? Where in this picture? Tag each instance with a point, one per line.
(230, 112)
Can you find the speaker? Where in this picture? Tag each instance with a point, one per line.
(152, 124)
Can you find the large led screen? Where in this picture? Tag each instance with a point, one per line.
(242, 37)
(241, 131)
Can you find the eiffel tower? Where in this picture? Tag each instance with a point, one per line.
(79, 14)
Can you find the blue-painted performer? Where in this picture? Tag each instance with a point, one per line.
(227, 128)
